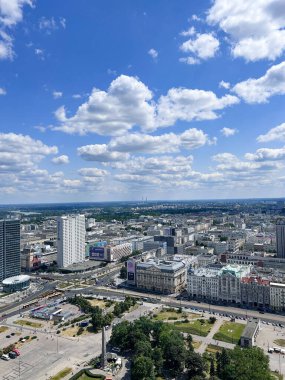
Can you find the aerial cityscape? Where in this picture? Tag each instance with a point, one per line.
(142, 203)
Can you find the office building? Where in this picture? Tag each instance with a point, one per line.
(10, 262)
(280, 238)
(70, 240)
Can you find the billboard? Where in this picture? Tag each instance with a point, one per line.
(131, 269)
(96, 253)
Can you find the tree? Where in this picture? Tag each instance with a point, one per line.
(143, 348)
(142, 369)
(212, 368)
(174, 353)
(194, 364)
(123, 272)
(157, 357)
(223, 360)
(97, 318)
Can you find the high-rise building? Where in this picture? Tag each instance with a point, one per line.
(280, 238)
(70, 240)
(10, 262)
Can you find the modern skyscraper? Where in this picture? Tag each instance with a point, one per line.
(70, 240)
(280, 238)
(10, 262)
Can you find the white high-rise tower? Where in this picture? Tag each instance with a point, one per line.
(70, 240)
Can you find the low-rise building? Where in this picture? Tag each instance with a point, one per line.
(248, 337)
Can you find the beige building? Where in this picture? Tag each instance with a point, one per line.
(161, 276)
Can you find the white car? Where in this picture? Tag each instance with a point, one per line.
(5, 357)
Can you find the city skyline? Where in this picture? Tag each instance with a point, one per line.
(115, 101)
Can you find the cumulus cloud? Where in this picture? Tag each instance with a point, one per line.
(92, 172)
(227, 132)
(189, 32)
(274, 134)
(3, 91)
(100, 153)
(255, 28)
(203, 46)
(266, 154)
(19, 152)
(166, 143)
(261, 89)
(11, 13)
(129, 103)
(124, 105)
(187, 105)
(57, 94)
(60, 160)
(153, 53)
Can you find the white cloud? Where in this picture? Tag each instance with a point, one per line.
(76, 96)
(11, 13)
(57, 94)
(189, 60)
(266, 154)
(225, 157)
(124, 105)
(189, 32)
(261, 89)
(40, 54)
(92, 172)
(3, 91)
(49, 25)
(224, 84)
(153, 53)
(274, 134)
(100, 153)
(255, 28)
(187, 105)
(203, 46)
(18, 152)
(227, 132)
(60, 160)
(129, 103)
(165, 143)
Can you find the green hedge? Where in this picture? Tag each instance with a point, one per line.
(88, 373)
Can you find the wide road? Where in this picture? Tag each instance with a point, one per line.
(169, 301)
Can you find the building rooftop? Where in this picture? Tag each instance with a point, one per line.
(250, 328)
(16, 280)
(162, 265)
(234, 269)
(255, 279)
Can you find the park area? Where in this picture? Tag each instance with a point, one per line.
(23, 322)
(200, 327)
(171, 314)
(230, 332)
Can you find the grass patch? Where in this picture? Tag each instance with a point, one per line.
(230, 332)
(61, 374)
(196, 327)
(84, 376)
(63, 285)
(3, 329)
(276, 375)
(196, 344)
(165, 315)
(279, 342)
(4, 295)
(212, 348)
(23, 322)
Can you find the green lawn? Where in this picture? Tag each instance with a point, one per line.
(230, 332)
(280, 342)
(194, 327)
(60, 375)
(23, 322)
(212, 348)
(3, 329)
(86, 377)
(168, 315)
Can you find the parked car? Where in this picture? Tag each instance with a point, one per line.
(12, 355)
(5, 357)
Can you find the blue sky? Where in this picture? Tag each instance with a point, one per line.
(108, 100)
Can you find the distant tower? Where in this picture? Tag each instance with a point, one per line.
(104, 351)
(280, 238)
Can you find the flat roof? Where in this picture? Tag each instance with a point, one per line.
(250, 328)
(16, 279)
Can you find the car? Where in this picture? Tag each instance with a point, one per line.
(8, 336)
(17, 352)
(5, 357)
(12, 355)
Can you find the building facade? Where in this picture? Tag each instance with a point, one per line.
(70, 240)
(161, 276)
(10, 261)
(277, 296)
(280, 238)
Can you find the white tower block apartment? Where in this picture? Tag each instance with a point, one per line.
(70, 240)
